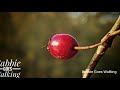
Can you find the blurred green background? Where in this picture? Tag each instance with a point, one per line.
(23, 34)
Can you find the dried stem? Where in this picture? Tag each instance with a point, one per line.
(115, 33)
(95, 45)
(106, 43)
(87, 47)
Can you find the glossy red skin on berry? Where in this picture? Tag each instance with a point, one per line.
(61, 46)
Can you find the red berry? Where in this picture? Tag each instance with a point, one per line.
(61, 46)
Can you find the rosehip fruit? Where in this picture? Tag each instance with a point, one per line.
(61, 46)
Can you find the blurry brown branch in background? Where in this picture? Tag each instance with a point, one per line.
(106, 42)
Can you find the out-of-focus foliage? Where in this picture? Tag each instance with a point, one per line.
(23, 34)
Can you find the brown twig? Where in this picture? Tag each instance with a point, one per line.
(106, 43)
(95, 45)
(115, 33)
(86, 47)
